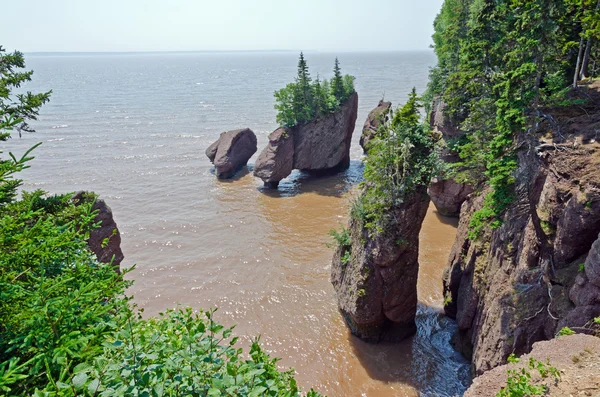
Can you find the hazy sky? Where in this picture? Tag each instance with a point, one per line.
(188, 25)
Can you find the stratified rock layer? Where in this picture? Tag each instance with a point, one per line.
(375, 277)
(105, 241)
(232, 151)
(524, 281)
(375, 119)
(320, 146)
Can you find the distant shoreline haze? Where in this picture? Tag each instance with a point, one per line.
(66, 53)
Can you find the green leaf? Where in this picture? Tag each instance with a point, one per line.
(79, 380)
(93, 385)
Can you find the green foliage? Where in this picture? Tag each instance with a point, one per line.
(346, 257)
(498, 64)
(15, 112)
(519, 382)
(447, 300)
(342, 238)
(565, 331)
(400, 159)
(180, 353)
(581, 268)
(306, 100)
(66, 327)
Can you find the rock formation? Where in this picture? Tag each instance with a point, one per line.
(232, 151)
(446, 193)
(538, 272)
(440, 122)
(322, 145)
(277, 159)
(375, 277)
(577, 357)
(375, 118)
(105, 241)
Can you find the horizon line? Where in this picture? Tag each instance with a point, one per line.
(207, 51)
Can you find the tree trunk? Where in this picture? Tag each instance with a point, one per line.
(588, 48)
(583, 73)
(578, 65)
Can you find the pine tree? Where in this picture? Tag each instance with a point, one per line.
(303, 102)
(320, 98)
(337, 83)
(409, 112)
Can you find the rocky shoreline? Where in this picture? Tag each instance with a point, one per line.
(512, 286)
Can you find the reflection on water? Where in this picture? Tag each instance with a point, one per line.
(134, 129)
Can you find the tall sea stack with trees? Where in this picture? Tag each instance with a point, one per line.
(375, 266)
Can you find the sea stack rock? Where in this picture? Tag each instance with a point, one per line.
(447, 194)
(375, 276)
(276, 161)
(232, 151)
(375, 118)
(320, 146)
(104, 241)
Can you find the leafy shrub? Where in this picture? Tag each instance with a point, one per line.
(341, 238)
(346, 257)
(180, 353)
(519, 382)
(565, 331)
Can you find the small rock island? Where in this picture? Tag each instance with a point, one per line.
(317, 120)
(232, 151)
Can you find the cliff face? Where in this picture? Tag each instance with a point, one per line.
(375, 277)
(321, 145)
(538, 272)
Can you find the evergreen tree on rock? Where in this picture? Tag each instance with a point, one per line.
(337, 83)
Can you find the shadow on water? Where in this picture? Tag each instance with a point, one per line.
(334, 185)
(426, 361)
(241, 173)
(446, 220)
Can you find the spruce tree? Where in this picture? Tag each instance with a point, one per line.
(303, 98)
(320, 98)
(337, 83)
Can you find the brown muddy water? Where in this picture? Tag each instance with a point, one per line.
(134, 129)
